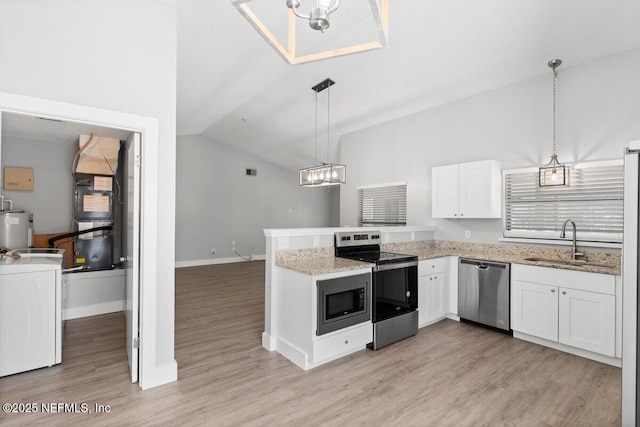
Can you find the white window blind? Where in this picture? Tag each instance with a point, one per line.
(382, 205)
(593, 200)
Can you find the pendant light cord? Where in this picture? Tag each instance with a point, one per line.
(328, 119)
(315, 155)
(555, 75)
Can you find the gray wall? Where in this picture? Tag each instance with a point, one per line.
(218, 203)
(597, 115)
(51, 200)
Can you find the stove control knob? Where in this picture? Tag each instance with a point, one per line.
(408, 294)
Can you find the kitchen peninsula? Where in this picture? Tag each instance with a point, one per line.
(297, 258)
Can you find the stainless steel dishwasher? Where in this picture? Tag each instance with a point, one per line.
(483, 293)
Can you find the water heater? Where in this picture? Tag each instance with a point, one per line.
(16, 229)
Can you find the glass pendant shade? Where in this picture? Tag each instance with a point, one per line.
(553, 173)
(326, 174)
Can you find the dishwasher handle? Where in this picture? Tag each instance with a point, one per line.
(484, 265)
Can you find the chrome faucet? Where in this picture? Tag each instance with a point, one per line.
(563, 234)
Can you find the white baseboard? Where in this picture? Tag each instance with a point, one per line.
(268, 342)
(613, 361)
(199, 262)
(93, 310)
(453, 317)
(161, 374)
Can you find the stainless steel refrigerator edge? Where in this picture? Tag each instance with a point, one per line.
(630, 407)
(483, 292)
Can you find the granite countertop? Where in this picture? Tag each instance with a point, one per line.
(593, 264)
(326, 265)
(321, 260)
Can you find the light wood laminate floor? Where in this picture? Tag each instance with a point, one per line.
(450, 374)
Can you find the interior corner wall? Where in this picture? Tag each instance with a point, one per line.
(50, 202)
(115, 55)
(596, 111)
(217, 203)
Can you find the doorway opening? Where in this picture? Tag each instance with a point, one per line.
(93, 214)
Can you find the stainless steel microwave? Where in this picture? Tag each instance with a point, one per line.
(343, 302)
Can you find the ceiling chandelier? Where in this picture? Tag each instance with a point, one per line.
(278, 26)
(319, 15)
(326, 173)
(554, 173)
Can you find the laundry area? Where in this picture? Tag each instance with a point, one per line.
(66, 232)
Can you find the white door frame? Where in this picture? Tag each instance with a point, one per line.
(148, 128)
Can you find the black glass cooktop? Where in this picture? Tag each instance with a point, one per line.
(380, 257)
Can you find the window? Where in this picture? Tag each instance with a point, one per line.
(382, 205)
(594, 201)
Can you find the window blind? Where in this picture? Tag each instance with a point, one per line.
(382, 205)
(593, 200)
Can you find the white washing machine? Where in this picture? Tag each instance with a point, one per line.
(30, 311)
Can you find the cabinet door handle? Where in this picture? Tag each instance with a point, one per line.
(553, 290)
(455, 214)
(436, 277)
(564, 292)
(461, 214)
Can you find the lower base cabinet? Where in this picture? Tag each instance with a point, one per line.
(431, 291)
(587, 320)
(583, 318)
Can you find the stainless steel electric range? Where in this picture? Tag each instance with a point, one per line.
(394, 287)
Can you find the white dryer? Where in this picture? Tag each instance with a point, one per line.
(30, 312)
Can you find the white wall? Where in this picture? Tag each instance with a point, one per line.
(116, 55)
(597, 115)
(50, 202)
(218, 203)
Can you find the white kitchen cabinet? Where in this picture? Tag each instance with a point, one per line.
(534, 309)
(431, 291)
(587, 320)
(572, 308)
(467, 190)
(296, 321)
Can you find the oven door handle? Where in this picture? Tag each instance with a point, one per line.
(395, 266)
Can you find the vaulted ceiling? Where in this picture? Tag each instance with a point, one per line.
(235, 89)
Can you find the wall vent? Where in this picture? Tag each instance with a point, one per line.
(252, 172)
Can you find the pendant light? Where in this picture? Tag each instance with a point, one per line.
(554, 173)
(326, 173)
(319, 16)
(363, 26)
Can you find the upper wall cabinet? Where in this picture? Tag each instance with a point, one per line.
(467, 190)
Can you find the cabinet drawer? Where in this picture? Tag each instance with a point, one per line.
(430, 266)
(571, 279)
(342, 342)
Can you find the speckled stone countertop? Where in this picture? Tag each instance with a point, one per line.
(317, 261)
(321, 260)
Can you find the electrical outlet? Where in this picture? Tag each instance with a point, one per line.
(233, 243)
(467, 234)
(413, 236)
(316, 241)
(283, 243)
(213, 251)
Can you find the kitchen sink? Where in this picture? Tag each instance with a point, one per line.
(575, 262)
